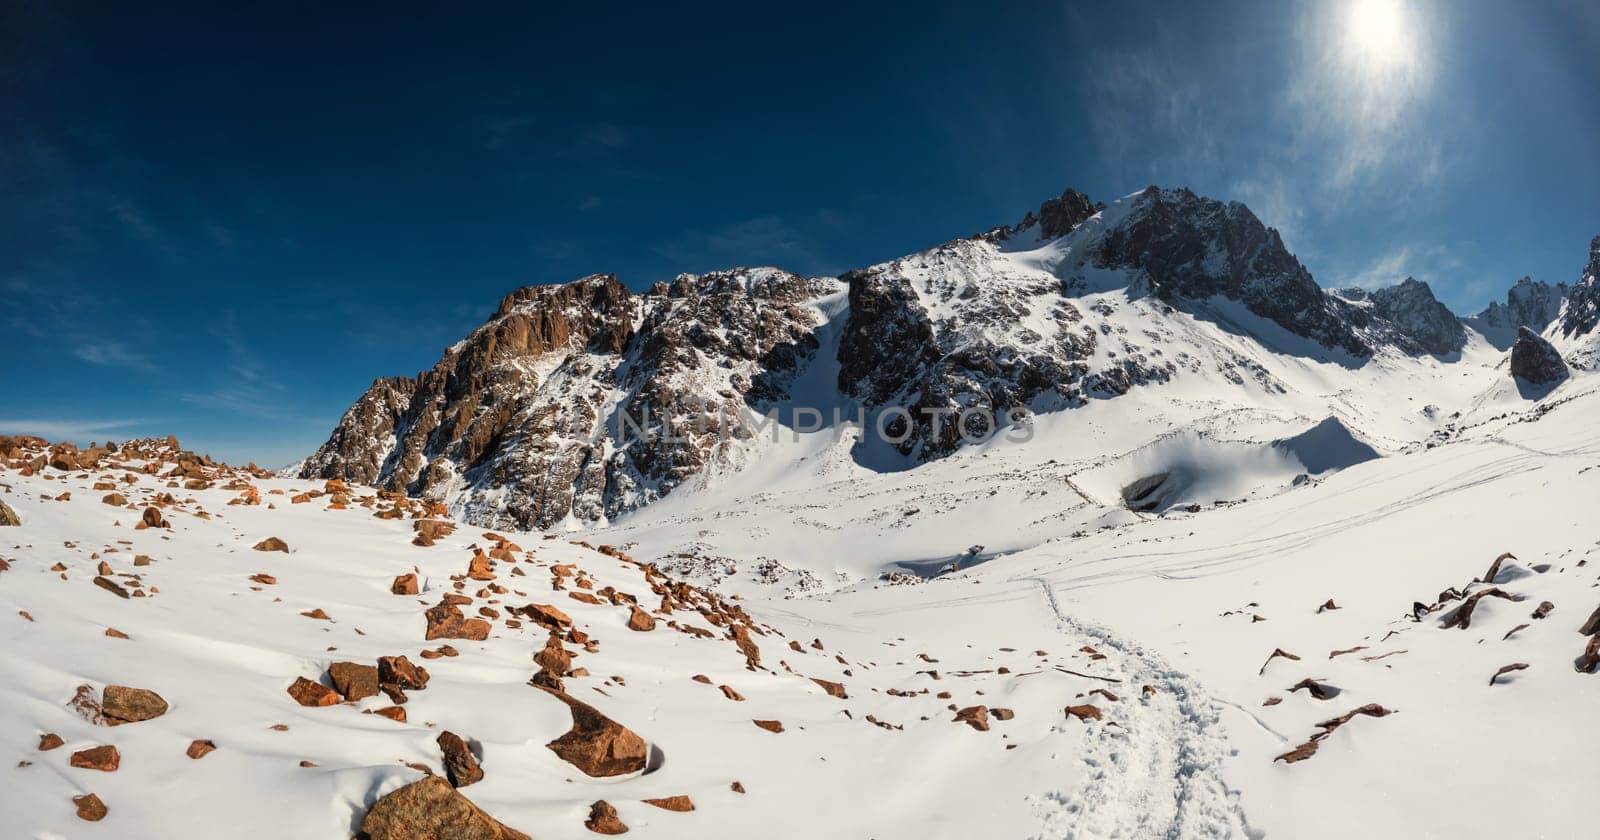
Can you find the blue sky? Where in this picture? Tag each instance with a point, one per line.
(224, 223)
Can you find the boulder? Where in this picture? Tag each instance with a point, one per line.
(399, 671)
(405, 584)
(8, 516)
(446, 621)
(641, 620)
(312, 694)
(596, 744)
(460, 765)
(104, 758)
(603, 819)
(90, 808)
(1536, 361)
(121, 704)
(353, 680)
(430, 809)
(272, 544)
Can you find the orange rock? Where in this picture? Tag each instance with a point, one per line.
(547, 615)
(975, 716)
(405, 584)
(398, 670)
(728, 692)
(769, 725)
(272, 544)
(264, 579)
(90, 808)
(394, 713)
(460, 765)
(199, 748)
(641, 620)
(313, 694)
(596, 744)
(446, 621)
(103, 758)
(834, 689)
(1085, 712)
(679, 803)
(603, 819)
(49, 741)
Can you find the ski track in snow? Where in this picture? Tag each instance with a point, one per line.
(1158, 772)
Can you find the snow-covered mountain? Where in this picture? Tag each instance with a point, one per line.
(577, 403)
(1238, 557)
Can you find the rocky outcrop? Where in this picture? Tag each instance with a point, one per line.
(1535, 360)
(430, 809)
(1581, 314)
(1406, 316)
(1529, 303)
(582, 400)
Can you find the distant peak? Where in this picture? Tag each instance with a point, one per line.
(1058, 216)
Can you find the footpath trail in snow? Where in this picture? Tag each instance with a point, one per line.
(1158, 772)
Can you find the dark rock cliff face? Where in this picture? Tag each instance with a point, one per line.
(581, 399)
(1581, 314)
(1193, 247)
(1405, 316)
(1529, 303)
(1535, 360)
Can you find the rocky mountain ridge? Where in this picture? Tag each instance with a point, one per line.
(579, 402)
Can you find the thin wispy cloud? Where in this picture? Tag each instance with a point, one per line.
(113, 354)
(69, 429)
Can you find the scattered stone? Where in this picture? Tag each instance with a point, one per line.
(121, 704)
(446, 621)
(312, 694)
(8, 517)
(641, 620)
(976, 717)
(1084, 712)
(90, 808)
(104, 758)
(728, 692)
(680, 803)
(353, 680)
(1461, 616)
(460, 765)
(317, 614)
(200, 748)
(264, 579)
(430, 809)
(834, 689)
(1309, 748)
(399, 671)
(603, 819)
(596, 744)
(1002, 714)
(1506, 669)
(114, 633)
(86, 702)
(272, 544)
(49, 741)
(1543, 610)
(405, 584)
(1277, 652)
(111, 586)
(1327, 605)
(774, 726)
(394, 713)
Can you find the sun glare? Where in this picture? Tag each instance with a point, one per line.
(1376, 30)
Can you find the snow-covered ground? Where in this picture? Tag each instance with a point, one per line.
(1016, 580)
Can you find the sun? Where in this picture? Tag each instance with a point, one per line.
(1376, 31)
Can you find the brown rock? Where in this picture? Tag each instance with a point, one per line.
(398, 670)
(313, 694)
(976, 717)
(49, 741)
(641, 620)
(728, 692)
(1002, 714)
(394, 713)
(152, 518)
(446, 621)
(679, 803)
(103, 758)
(1506, 669)
(264, 579)
(460, 765)
(547, 615)
(603, 819)
(121, 704)
(405, 584)
(752, 653)
(114, 633)
(834, 689)
(353, 680)
(90, 808)
(114, 499)
(111, 586)
(596, 744)
(1084, 712)
(773, 726)
(430, 809)
(272, 544)
(200, 748)
(8, 517)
